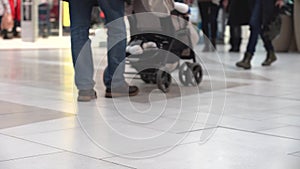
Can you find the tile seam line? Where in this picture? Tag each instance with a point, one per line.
(181, 144)
(277, 97)
(294, 153)
(57, 148)
(33, 156)
(259, 133)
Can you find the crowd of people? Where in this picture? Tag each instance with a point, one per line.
(10, 17)
(258, 14)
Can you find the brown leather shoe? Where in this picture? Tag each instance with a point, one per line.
(86, 95)
(122, 91)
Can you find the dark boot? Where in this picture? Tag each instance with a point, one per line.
(235, 44)
(246, 62)
(7, 34)
(214, 44)
(235, 38)
(271, 57)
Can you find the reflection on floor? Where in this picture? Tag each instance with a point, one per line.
(235, 119)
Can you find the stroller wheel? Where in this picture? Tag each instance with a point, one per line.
(163, 80)
(197, 74)
(185, 73)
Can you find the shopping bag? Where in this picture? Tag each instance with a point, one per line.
(7, 22)
(272, 30)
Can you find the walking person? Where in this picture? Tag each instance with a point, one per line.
(262, 13)
(6, 19)
(209, 14)
(239, 15)
(80, 15)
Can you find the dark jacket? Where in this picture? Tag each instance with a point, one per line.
(239, 12)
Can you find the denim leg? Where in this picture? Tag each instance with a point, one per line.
(116, 42)
(255, 27)
(80, 16)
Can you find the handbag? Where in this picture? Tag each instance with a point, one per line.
(7, 22)
(272, 30)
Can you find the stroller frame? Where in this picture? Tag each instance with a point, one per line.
(190, 73)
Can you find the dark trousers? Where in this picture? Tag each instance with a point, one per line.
(209, 14)
(257, 21)
(235, 36)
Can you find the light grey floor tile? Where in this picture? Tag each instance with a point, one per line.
(295, 96)
(98, 139)
(12, 148)
(226, 149)
(43, 127)
(297, 154)
(258, 116)
(263, 100)
(287, 119)
(62, 160)
(264, 90)
(292, 110)
(258, 103)
(74, 140)
(249, 125)
(288, 131)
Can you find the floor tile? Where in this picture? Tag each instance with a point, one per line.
(288, 131)
(12, 148)
(43, 127)
(226, 149)
(37, 115)
(297, 154)
(7, 107)
(61, 160)
(287, 119)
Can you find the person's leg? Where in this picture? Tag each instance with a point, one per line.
(269, 12)
(116, 30)
(255, 28)
(214, 9)
(80, 46)
(203, 8)
(235, 38)
(223, 15)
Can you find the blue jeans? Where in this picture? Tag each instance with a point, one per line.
(80, 15)
(256, 24)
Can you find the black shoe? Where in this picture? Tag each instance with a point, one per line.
(234, 50)
(122, 91)
(86, 95)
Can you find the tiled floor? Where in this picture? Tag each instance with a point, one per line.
(235, 119)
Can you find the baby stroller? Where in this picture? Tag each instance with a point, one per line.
(159, 41)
